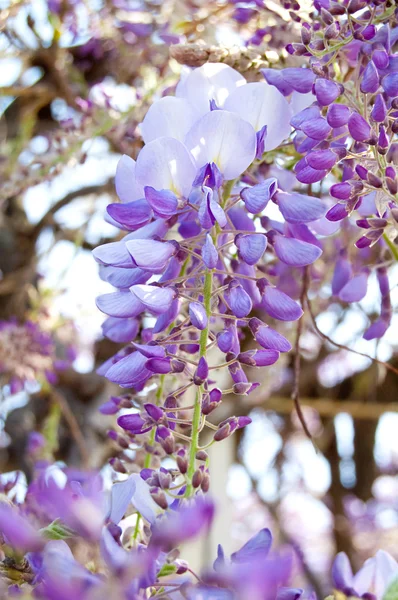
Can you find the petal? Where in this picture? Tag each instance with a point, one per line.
(119, 304)
(129, 370)
(279, 305)
(370, 79)
(123, 278)
(212, 81)
(168, 117)
(275, 77)
(318, 129)
(258, 546)
(341, 572)
(114, 253)
(209, 253)
(295, 252)
(166, 164)
(150, 255)
(168, 317)
(131, 215)
(225, 139)
(359, 129)
(355, 289)
(301, 80)
(321, 159)
(251, 247)
(121, 494)
(390, 84)
(341, 275)
(120, 330)
(310, 175)
(257, 197)
(239, 301)
(126, 186)
(326, 91)
(262, 104)
(157, 300)
(198, 315)
(163, 202)
(338, 115)
(298, 208)
(271, 339)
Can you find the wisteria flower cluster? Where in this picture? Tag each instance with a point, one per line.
(194, 267)
(28, 354)
(240, 192)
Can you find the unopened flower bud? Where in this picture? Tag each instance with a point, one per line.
(182, 566)
(197, 479)
(205, 485)
(182, 461)
(117, 465)
(202, 455)
(326, 17)
(374, 180)
(159, 497)
(305, 35)
(202, 372)
(211, 401)
(392, 185)
(165, 480)
(166, 439)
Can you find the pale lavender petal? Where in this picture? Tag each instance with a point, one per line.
(166, 164)
(168, 317)
(257, 197)
(262, 105)
(295, 252)
(198, 315)
(279, 305)
(251, 247)
(239, 300)
(126, 186)
(298, 208)
(209, 253)
(151, 255)
(129, 370)
(212, 81)
(341, 275)
(119, 304)
(342, 572)
(131, 215)
(114, 253)
(168, 117)
(163, 202)
(225, 139)
(121, 494)
(269, 338)
(157, 300)
(120, 330)
(121, 277)
(355, 289)
(318, 129)
(258, 546)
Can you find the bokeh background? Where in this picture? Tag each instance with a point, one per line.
(76, 78)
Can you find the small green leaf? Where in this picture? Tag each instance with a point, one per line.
(392, 591)
(56, 531)
(167, 570)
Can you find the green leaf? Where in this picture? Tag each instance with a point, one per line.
(56, 531)
(167, 570)
(392, 591)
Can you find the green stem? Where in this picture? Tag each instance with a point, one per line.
(207, 290)
(393, 248)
